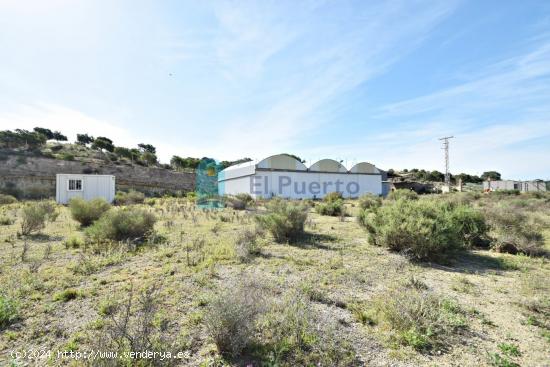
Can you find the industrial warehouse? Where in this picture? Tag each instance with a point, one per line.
(284, 176)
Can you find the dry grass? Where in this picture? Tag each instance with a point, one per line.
(330, 282)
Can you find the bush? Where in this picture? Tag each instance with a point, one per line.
(235, 203)
(129, 198)
(246, 245)
(369, 201)
(5, 220)
(122, 224)
(9, 311)
(418, 318)
(67, 295)
(403, 194)
(231, 316)
(73, 242)
(87, 212)
(285, 221)
(7, 199)
(333, 196)
(36, 215)
(298, 336)
(514, 232)
(423, 229)
(333, 208)
(246, 198)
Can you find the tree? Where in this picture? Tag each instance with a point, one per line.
(296, 157)
(103, 143)
(58, 136)
(149, 158)
(177, 163)
(46, 132)
(21, 138)
(225, 164)
(123, 152)
(436, 176)
(84, 139)
(147, 148)
(491, 175)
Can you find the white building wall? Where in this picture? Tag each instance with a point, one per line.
(93, 186)
(301, 185)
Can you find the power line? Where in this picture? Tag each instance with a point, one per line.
(446, 148)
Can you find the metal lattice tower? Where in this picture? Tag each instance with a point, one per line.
(446, 148)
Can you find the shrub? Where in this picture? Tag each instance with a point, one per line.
(74, 242)
(9, 311)
(423, 229)
(36, 215)
(129, 198)
(5, 220)
(333, 208)
(470, 224)
(369, 201)
(298, 336)
(87, 212)
(246, 245)
(417, 317)
(285, 221)
(514, 232)
(134, 325)
(7, 199)
(67, 295)
(246, 198)
(231, 316)
(235, 203)
(122, 224)
(403, 194)
(333, 196)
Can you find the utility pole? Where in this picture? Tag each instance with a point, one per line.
(446, 148)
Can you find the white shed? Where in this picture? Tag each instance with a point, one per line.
(284, 176)
(87, 187)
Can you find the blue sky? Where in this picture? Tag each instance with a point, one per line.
(363, 80)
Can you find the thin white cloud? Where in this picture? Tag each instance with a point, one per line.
(498, 118)
(71, 122)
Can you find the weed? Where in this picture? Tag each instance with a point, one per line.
(9, 311)
(67, 295)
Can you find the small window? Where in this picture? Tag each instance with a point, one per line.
(75, 185)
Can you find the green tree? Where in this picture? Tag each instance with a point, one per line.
(147, 148)
(149, 158)
(84, 139)
(46, 132)
(493, 175)
(123, 152)
(58, 136)
(295, 157)
(103, 143)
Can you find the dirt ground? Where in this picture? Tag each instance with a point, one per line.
(335, 261)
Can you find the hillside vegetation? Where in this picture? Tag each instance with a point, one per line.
(435, 280)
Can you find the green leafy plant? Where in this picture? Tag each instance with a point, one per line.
(35, 216)
(87, 212)
(9, 311)
(122, 224)
(285, 220)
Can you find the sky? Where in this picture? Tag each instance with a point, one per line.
(376, 81)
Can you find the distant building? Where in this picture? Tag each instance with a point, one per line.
(83, 186)
(522, 186)
(283, 176)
